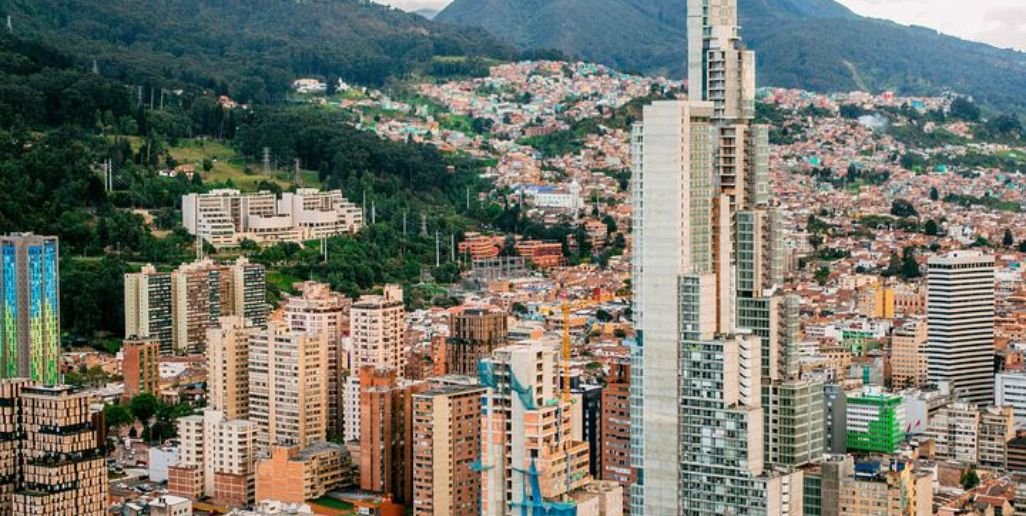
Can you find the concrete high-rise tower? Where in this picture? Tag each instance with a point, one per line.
(716, 338)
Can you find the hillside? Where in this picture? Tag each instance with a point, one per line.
(249, 49)
(813, 44)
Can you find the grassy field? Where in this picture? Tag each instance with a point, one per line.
(282, 281)
(228, 165)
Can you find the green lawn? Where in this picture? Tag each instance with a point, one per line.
(227, 164)
(283, 281)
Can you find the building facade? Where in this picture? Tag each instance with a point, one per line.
(997, 428)
(386, 432)
(148, 307)
(527, 436)
(474, 333)
(1010, 391)
(615, 449)
(217, 458)
(228, 366)
(288, 386)
(296, 474)
(319, 310)
(178, 307)
(955, 431)
(909, 366)
(226, 217)
(30, 305)
(875, 422)
(140, 366)
(378, 328)
(960, 308)
(41, 474)
(446, 446)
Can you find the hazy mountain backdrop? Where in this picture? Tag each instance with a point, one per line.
(813, 44)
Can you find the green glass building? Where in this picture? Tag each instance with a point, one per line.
(875, 422)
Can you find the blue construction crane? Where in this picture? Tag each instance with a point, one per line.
(533, 504)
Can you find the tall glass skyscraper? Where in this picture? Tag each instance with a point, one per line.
(30, 307)
(715, 335)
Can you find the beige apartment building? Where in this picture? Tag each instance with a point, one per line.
(997, 427)
(225, 217)
(955, 431)
(288, 386)
(296, 475)
(178, 307)
(228, 366)
(53, 461)
(378, 327)
(908, 355)
(217, 456)
(446, 444)
(319, 310)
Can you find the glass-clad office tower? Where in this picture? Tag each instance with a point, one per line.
(30, 304)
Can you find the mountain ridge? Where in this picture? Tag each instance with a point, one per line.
(812, 44)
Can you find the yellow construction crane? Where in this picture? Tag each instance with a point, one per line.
(566, 352)
(567, 307)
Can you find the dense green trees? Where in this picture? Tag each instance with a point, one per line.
(248, 49)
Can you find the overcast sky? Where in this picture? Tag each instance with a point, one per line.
(998, 22)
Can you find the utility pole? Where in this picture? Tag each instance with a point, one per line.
(452, 247)
(438, 251)
(374, 213)
(423, 224)
(267, 160)
(299, 176)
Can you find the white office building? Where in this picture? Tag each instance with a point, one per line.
(960, 316)
(225, 217)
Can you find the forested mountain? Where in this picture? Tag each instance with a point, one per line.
(812, 44)
(248, 49)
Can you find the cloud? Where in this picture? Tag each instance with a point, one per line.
(1004, 26)
(997, 22)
